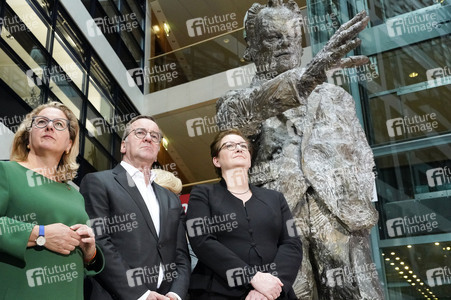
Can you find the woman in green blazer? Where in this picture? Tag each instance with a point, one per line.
(45, 245)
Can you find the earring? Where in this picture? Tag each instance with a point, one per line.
(28, 146)
(67, 151)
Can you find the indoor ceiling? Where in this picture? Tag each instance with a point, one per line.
(189, 151)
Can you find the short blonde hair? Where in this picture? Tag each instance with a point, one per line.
(67, 166)
(168, 180)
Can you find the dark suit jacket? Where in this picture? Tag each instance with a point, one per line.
(233, 241)
(126, 234)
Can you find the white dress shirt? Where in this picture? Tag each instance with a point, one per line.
(153, 206)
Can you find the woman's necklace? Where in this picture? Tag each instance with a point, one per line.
(240, 193)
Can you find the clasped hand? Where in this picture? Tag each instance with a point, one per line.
(266, 286)
(63, 239)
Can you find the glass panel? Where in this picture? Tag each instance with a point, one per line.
(99, 128)
(391, 8)
(100, 101)
(414, 64)
(66, 93)
(28, 16)
(131, 6)
(18, 81)
(74, 71)
(47, 6)
(23, 45)
(95, 156)
(418, 271)
(102, 76)
(401, 117)
(413, 190)
(72, 36)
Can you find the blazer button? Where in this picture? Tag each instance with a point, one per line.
(159, 246)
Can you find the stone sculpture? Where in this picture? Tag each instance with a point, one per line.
(309, 145)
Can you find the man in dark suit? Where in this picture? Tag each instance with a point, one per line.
(139, 225)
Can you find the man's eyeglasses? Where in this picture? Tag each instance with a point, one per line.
(231, 146)
(58, 123)
(141, 133)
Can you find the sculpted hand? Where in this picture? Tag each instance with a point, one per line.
(87, 239)
(344, 40)
(254, 295)
(351, 62)
(156, 296)
(60, 238)
(267, 284)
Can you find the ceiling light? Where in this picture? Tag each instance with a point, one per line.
(413, 74)
(226, 41)
(436, 243)
(166, 28)
(409, 246)
(165, 143)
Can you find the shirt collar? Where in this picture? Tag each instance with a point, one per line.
(133, 172)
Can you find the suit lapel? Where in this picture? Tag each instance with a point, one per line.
(163, 201)
(126, 181)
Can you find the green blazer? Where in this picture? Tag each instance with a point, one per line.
(26, 199)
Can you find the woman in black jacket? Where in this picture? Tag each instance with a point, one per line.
(244, 236)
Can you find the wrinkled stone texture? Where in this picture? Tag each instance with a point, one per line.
(311, 147)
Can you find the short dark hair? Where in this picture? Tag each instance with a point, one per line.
(216, 143)
(129, 124)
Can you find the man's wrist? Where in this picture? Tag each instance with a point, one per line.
(175, 295)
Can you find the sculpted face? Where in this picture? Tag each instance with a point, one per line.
(278, 40)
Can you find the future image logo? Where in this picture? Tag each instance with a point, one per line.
(439, 75)
(411, 225)
(63, 73)
(158, 73)
(438, 176)
(211, 224)
(109, 25)
(411, 24)
(113, 224)
(341, 76)
(335, 277)
(340, 277)
(147, 275)
(412, 124)
(211, 25)
(438, 276)
(205, 125)
(15, 224)
(241, 276)
(294, 227)
(51, 274)
(243, 76)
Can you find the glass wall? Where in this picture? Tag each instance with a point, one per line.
(404, 95)
(123, 25)
(402, 99)
(41, 62)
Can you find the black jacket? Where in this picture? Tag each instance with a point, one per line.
(125, 232)
(232, 241)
